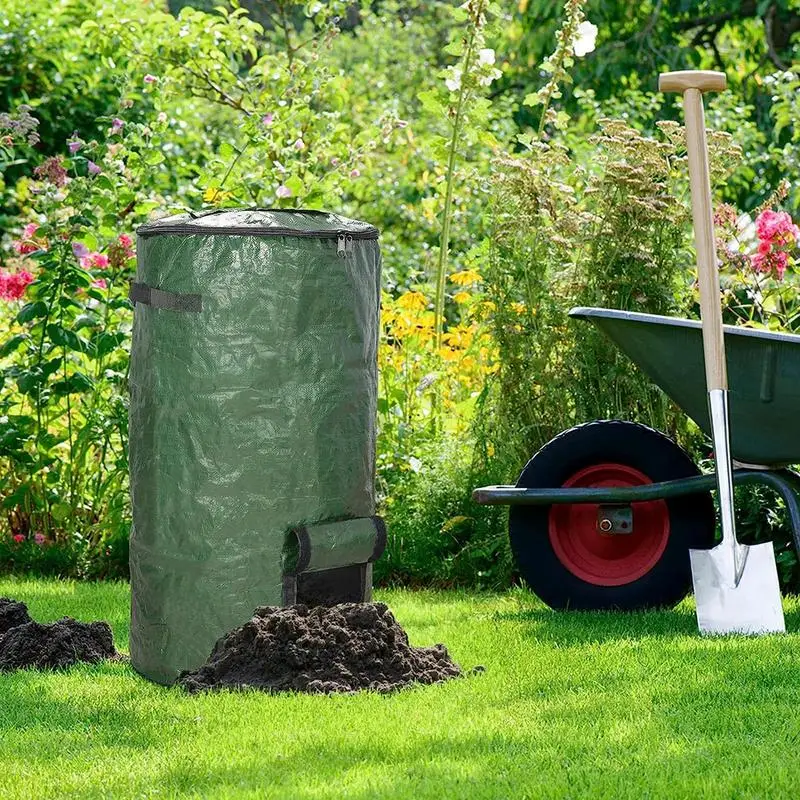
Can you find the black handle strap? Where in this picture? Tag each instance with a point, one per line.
(169, 301)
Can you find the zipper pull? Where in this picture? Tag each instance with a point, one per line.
(341, 246)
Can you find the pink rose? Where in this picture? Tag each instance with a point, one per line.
(120, 251)
(13, 284)
(776, 225)
(95, 261)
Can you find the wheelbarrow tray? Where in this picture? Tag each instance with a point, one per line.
(763, 375)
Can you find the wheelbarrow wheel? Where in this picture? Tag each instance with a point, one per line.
(561, 551)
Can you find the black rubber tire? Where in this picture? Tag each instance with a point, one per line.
(692, 517)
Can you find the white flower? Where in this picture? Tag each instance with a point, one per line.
(453, 83)
(585, 39)
(490, 76)
(486, 56)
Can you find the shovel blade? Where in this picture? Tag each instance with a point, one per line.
(752, 606)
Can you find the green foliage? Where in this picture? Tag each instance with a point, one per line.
(64, 364)
(436, 535)
(480, 148)
(565, 236)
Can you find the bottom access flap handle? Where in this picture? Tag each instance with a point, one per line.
(328, 545)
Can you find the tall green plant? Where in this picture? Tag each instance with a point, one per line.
(464, 110)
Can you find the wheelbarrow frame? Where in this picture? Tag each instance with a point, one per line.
(784, 481)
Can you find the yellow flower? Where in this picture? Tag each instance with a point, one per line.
(413, 301)
(465, 277)
(215, 195)
(448, 354)
(518, 308)
(461, 297)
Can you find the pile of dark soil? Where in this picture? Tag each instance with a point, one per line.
(25, 643)
(320, 650)
(12, 614)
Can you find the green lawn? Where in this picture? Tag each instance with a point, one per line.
(571, 705)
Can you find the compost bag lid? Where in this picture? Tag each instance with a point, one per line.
(260, 222)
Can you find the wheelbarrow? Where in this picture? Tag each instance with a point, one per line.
(604, 515)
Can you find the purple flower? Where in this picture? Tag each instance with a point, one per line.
(150, 78)
(354, 173)
(74, 145)
(335, 162)
(268, 119)
(283, 191)
(79, 250)
(92, 168)
(39, 538)
(117, 125)
(299, 144)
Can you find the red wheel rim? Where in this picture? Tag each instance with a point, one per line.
(608, 559)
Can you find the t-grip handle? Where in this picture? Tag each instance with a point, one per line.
(691, 84)
(704, 80)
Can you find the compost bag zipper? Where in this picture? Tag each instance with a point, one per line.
(343, 237)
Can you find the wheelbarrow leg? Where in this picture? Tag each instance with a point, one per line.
(787, 484)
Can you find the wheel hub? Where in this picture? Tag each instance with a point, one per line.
(615, 520)
(608, 545)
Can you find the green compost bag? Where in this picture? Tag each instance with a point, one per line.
(253, 387)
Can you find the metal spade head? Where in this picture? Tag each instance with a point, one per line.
(751, 604)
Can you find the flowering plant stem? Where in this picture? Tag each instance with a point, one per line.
(441, 265)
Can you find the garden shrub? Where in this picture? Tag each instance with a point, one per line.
(437, 536)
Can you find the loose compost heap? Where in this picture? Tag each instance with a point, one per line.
(319, 650)
(57, 645)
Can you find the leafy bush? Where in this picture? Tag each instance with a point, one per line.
(436, 534)
(63, 383)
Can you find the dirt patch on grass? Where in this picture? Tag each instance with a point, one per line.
(320, 650)
(57, 645)
(12, 614)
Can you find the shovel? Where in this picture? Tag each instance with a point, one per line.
(735, 587)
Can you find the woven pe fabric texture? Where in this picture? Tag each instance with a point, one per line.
(248, 418)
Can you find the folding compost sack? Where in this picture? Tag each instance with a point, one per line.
(252, 423)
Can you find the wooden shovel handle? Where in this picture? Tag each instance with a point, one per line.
(692, 85)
